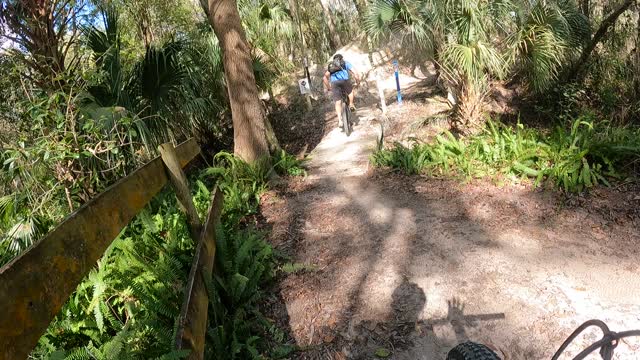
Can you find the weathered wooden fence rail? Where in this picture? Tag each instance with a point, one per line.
(35, 285)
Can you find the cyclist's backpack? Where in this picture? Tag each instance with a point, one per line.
(336, 65)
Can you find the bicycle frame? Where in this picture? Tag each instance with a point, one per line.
(606, 345)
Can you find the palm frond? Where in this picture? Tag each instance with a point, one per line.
(473, 61)
(412, 26)
(105, 46)
(551, 34)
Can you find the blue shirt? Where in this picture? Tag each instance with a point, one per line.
(342, 74)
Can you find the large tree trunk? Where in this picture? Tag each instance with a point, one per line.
(334, 37)
(249, 121)
(606, 24)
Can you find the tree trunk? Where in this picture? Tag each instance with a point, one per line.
(249, 121)
(274, 145)
(334, 37)
(606, 24)
(145, 28)
(47, 30)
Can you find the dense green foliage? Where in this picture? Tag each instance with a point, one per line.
(581, 156)
(67, 144)
(65, 159)
(127, 306)
(534, 44)
(132, 75)
(88, 89)
(537, 46)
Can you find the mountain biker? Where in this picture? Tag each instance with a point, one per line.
(337, 79)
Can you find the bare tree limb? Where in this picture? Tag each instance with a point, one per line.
(606, 24)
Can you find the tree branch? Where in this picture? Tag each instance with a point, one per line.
(606, 24)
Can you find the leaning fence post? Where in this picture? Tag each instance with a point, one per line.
(35, 285)
(193, 321)
(181, 185)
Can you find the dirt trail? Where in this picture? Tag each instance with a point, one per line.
(415, 266)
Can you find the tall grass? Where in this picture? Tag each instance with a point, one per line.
(574, 158)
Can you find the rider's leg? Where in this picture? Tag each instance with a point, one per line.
(339, 112)
(351, 102)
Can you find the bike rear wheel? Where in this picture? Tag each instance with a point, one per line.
(346, 118)
(471, 351)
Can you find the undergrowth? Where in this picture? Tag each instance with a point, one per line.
(574, 158)
(287, 164)
(127, 307)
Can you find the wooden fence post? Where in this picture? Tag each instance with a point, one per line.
(181, 186)
(35, 285)
(193, 321)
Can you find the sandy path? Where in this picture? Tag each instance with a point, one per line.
(416, 266)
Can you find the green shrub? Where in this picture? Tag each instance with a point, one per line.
(127, 307)
(586, 154)
(241, 183)
(243, 263)
(410, 160)
(62, 160)
(287, 164)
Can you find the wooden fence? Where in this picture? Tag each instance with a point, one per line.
(35, 285)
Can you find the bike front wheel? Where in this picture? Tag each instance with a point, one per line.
(471, 351)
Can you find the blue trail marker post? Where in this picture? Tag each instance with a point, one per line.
(396, 66)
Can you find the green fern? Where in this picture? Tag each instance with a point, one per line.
(128, 305)
(575, 159)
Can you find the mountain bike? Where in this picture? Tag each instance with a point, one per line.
(474, 351)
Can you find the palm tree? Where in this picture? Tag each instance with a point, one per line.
(475, 41)
(174, 91)
(156, 92)
(267, 25)
(473, 56)
(549, 36)
(458, 35)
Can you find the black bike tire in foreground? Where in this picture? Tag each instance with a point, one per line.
(471, 351)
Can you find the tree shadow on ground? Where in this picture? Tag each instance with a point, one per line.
(416, 266)
(367, 236)
(379, 248)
